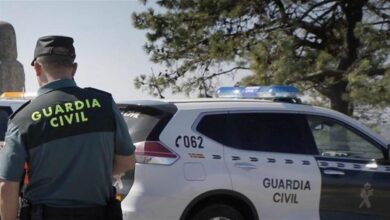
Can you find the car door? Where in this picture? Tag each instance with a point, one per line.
(355, 176)
(269, 159)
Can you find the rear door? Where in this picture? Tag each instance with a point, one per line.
(269, 158)
(355, 176)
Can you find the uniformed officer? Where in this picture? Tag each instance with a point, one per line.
(73, 139)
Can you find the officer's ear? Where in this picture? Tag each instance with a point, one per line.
(37, 68)
(74, 69)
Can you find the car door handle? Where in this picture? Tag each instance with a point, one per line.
(334, 172)
(245, 166)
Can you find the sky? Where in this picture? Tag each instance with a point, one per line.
(109, 49)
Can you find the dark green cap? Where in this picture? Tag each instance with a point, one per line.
(54, 45)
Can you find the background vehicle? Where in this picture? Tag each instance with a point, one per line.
(253, 159)
(9, 102)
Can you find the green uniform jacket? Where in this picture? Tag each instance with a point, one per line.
(69, 136)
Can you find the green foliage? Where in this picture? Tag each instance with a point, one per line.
(335, 49)
(368, 90)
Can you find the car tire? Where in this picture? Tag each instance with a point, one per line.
(217, 212)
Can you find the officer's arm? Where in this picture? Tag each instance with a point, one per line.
(9, 194)
(12, 157)
(123, 164)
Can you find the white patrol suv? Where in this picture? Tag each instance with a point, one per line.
(248, 159)
(253, 159)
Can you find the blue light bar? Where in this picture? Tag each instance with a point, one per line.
(229, 92)
(277, 91)
(251, 92)
(259, 92)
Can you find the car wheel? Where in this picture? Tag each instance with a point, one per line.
(217, 212)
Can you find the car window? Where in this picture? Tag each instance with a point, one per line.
(140, 124)
(271, 132)
(144, 123)
(336, 140)
(4, 114)
(213, 126)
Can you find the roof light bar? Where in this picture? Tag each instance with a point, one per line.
(229, 92)
(284, 93)
(251, 92)
(278, 92)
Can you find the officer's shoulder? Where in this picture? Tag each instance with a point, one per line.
(19, 109)
(98, 91)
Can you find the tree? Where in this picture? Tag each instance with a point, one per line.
(336, 48)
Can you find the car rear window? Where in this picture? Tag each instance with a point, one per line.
(144, 123)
